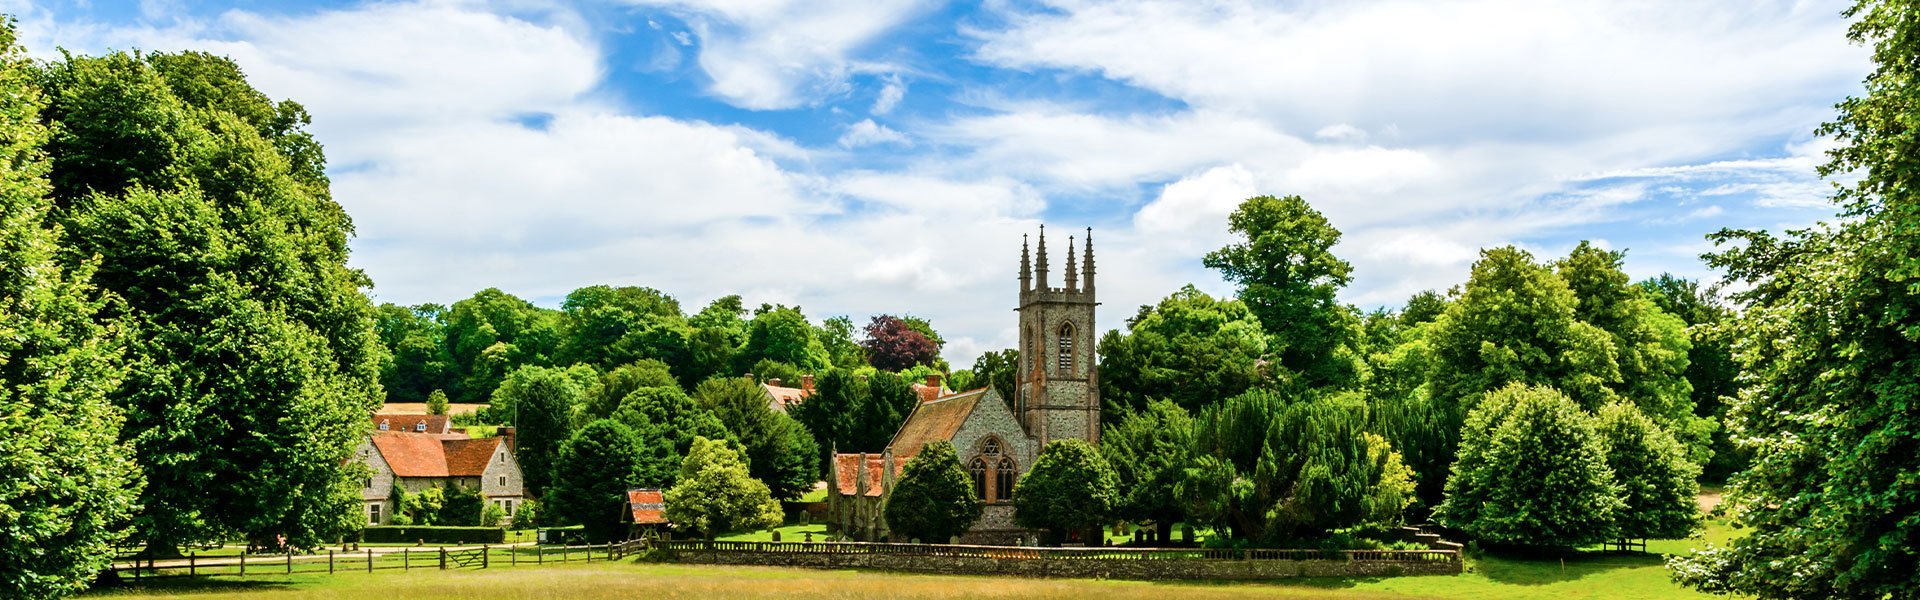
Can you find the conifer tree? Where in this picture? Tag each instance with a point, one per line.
(934, 499)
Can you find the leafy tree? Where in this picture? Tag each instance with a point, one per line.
(1650, 346)
(608, 326)
(613, 387)
(437, 403)
(891, 344)
(890, 399)
(67, 483)
(1150, 451)
(836, 335)
(718, 333)
(934, 501)
(828, 412)
(669, 413)
(526, 515)
(1070, 488)
(769, 370)
(494, 333)
(1532, 472)
(1828, 350)
(1423, 307)
(1289, 278)
(714, 493)
(542, 400)
(1655, 477)
(1190, 348)
(1711, 369)
(781, 333)
(601, 462)
(997, 369)
(416, 362)
(779, 450)
(1274, 471)
(462, 506)
(254, 359)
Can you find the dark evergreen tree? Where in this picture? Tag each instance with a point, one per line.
(934, 500)
(596, 468)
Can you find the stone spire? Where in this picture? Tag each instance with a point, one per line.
(1026, 266)
(1041, 264)
(1073, 275)
(1089, 261)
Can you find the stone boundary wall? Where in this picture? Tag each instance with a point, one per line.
(1150, 564)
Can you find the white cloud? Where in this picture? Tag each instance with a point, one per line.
(869, 133)
(772, 54)
(1341, 132)
(890, 95)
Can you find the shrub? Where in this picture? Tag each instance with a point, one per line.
(1656, 478)
(715, 495)
(1532, 472)
(1071, 488)
(934, 500)
(432, 535)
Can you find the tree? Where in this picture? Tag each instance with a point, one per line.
(1657, 481)
(612, 388)
(1190, 348)
(997, 369)
(1650, 346)
(1532, 472)
(669, 413)
(601, 462)
(779, 450)
(934, 501)
(1827, 348)
(541, 401)
(1423, 307)
(416, 361)
(1276, 471)
(461, 507)
(781, 333)
(836, 335)
(715, 494)
(1150, 450)
(494, 333)
(608, 326)
(892, 345)
(1070, 488)
(254, 359)
(1711, 370)
(718, 334)
(67, 483)
(1289, 279)
(437, 403)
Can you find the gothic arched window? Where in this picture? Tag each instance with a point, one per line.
(1003, 477)
(979, 471)
(1066, 348)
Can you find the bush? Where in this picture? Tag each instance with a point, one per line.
(1070, 488)
(1656, 478)
(934, 500)
(1532, 472)
(433, 535)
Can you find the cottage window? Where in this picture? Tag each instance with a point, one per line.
(373, 514)
(979, 471)
(509, 506)
(1003, 477)
(503, 480)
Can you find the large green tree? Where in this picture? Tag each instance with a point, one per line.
(1656, 479)
(605, 396)
(609, 326)
(718, 333)
(67, 483)
(1070, 488)
(667, 412)
(1190, 348)
(781, 333)
(493, 333)
(934, 500)
(1289, 278)
(254, 359)
(539, 402)
(416, 361)
(780, 452)
(1830, 348)
(1150, 450)
(1532, 472)
(599, 464)
(1711, 370)
(714, 494)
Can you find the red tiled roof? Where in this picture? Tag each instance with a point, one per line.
(410, 423)
(848, 470)
(929, 393)
(469, 457)
(934, 420)
(784, 397)
(649, 506)
(434, 455)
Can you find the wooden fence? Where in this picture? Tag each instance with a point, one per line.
(1037, 553)
(372, 559)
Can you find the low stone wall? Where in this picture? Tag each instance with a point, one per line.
(1035, 562)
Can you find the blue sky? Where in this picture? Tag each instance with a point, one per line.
(866, 156)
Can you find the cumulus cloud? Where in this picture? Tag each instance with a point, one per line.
(869, 133)
(784, 53)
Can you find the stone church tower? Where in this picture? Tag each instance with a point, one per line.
(1057, 388)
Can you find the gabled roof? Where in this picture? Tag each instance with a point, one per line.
(648, 505)
(934, 420)
(434, 455)
(848, 471)
(411, 423)
(784, 397)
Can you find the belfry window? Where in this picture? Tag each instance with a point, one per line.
(1066, 348)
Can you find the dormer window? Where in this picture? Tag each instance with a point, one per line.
(420, 427)
(383, 425)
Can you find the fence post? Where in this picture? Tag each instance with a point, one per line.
(486, 556)
(513, 557)
(406, 559)
(369, 560)
(539, 554)
(443, 558)
(329, 562)
(563, 552)
(289, 561)
(192, 569)
(243, 563)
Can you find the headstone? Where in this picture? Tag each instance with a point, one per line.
(776, 535)
(1186, 534)
(809, 537)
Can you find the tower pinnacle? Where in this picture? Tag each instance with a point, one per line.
(1041, 264)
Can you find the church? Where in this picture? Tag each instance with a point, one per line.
(1056, 395)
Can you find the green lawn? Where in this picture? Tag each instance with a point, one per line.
(788, 533)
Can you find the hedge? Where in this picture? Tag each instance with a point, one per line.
(433, 535)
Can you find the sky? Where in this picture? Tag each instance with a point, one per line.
(860, 157)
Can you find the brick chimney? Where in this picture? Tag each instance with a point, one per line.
(806, 383)
(506, 435)
(933, 380)
(775, 382)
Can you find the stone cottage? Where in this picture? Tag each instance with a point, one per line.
(418, 461)
(1056, 396)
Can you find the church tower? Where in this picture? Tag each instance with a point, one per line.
(1056, 387)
